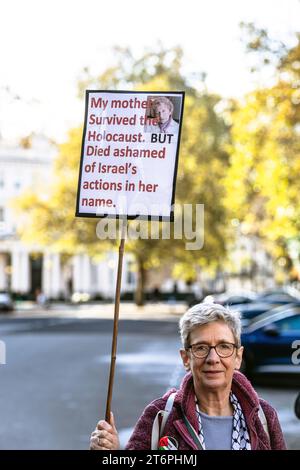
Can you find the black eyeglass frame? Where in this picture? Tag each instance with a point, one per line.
(210, 348)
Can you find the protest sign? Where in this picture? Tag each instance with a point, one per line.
(128, 167)
(129, 154)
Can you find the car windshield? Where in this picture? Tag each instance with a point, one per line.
(272, 316)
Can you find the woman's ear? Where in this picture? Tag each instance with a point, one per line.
(239, 357)
(185, 359)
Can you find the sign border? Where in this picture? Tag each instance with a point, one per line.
(124, 216)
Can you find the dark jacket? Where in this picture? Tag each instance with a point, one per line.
(185, 400)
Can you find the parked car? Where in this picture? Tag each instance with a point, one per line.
(279, 298)
(276, 290)
(269, 341)
(6, 302)
(252, 310)
(232, 298)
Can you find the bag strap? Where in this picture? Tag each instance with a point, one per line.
(158, 429)
(263, 420)
(168, 409)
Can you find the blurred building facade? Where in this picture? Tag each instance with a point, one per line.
(21, 168)
(26, 269)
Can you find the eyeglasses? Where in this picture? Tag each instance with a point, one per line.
(200, 350)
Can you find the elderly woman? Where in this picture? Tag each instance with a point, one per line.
(216, 407)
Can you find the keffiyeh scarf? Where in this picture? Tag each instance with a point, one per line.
(240, 437)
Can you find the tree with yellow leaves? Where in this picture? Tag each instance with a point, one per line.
(262, 183)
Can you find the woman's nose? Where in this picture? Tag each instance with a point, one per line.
(212, 356)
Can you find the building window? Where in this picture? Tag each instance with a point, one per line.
(94, 274)
(1, 214)
(130, 273)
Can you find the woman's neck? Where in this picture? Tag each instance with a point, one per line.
(215, 403)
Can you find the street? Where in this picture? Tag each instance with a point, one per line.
(54, 384)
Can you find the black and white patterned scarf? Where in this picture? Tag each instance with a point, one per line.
(240, 437)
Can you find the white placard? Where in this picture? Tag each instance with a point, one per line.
(129, 154)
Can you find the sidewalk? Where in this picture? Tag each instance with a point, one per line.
(171, 311)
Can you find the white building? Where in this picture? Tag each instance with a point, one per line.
(26, 268)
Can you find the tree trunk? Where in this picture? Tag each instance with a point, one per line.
(141, 281)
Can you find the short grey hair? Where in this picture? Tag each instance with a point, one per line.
(163, 100)
(208, 312)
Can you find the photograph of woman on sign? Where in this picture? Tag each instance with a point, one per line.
(162, 116)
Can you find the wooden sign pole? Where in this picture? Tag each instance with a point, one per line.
(116, 321)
